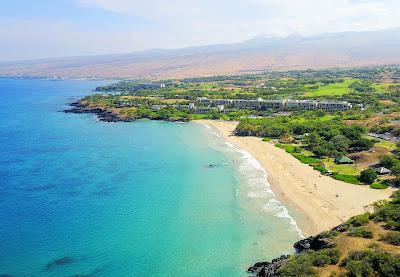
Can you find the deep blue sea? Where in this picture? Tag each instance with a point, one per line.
(80, 197)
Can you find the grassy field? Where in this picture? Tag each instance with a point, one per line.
(386, 144)
(381, 87)
(338, 89)
(342, 169)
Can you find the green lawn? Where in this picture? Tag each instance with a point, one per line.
(325, 117)
(386, 144)
(300, 154)
(346, 178)
(341, 168)
(380, 87)
(379, 185)
(338, 89)
(290, 148)
(382, 143)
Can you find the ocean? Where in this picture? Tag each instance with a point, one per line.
(79, 197)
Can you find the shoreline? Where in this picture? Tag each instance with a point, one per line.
(319, 202)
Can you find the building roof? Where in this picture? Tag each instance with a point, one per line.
(343, 160)
(383, 170)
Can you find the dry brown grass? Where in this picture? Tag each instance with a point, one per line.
(371, 157)
(347, 244)
(387, 103)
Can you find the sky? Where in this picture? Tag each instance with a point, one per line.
(33, 29)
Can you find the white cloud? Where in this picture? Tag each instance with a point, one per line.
(180, 23)
(239, 17)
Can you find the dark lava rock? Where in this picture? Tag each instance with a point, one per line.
(102, 114)
(268, 269)
(341, 228)
(313, 243)
(319, 242)
(58, 262)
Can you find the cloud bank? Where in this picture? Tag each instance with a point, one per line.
(181, 23)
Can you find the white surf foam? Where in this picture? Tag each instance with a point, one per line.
(250, 168)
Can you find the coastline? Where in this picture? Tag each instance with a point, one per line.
(319, 202)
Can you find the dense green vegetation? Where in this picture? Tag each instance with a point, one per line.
(367, 86)
(359, 220)
(333, 83)
(372, 263)
(368, 176)
(318, 136)
(389, 212)
(362, 232)
(303, 264)
(392, 237)
(323, 137)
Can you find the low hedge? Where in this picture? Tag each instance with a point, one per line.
(346, 178)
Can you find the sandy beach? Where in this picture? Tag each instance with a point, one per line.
(321, 201)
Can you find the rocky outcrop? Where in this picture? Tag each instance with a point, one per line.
(313, 243)
(268, 269)
(102, 114)
(107, 116)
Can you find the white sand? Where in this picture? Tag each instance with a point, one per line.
(322, 201)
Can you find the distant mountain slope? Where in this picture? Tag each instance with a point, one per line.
(294, 52)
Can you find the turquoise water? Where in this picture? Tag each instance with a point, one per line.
(125, 199)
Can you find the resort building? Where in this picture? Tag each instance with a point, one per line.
(343, 160)
(261, 104)
(383, 171)
(204, 105)
(151, 86)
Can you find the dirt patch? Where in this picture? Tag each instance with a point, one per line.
(370, 157)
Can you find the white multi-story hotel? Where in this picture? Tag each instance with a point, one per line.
(261, 104)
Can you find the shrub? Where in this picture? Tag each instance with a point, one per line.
(329, 234)
(368, 176)
(321, 260)
(333, 254)
(363, 144)
(392, 238)
(306, 159)
(361, 232)
(372, 262)
(388, 161)
(321, 169)
(389, 212)
(302, 264)
(299, 265)
(267, 139)
(358, 268)
(289, 148)
(359, 220)
(380, 185)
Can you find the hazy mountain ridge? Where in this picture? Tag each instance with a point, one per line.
(259, 54)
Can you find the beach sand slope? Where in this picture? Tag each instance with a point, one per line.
(321, 201)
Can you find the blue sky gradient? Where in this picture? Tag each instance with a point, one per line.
(45, 28)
